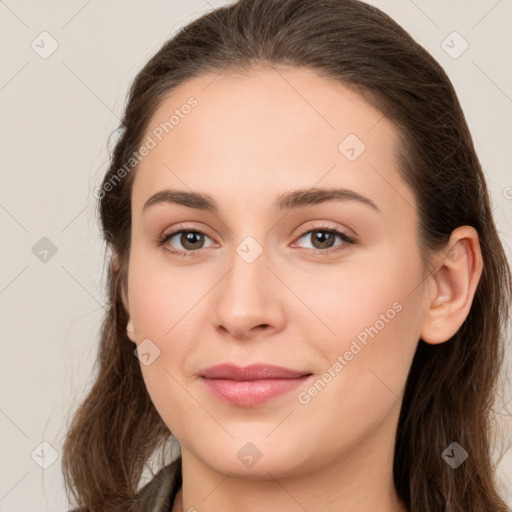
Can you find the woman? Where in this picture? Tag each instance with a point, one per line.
(305, 265)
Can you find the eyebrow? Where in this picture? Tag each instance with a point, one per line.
(287, 201)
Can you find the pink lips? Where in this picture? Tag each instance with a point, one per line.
(251, 385)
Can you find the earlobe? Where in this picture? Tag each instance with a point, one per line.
(452, 286)
(130, 331)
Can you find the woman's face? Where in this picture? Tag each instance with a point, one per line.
(269, 281)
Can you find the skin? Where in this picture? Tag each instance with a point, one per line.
(251, 137)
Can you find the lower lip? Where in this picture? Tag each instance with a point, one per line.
(250, 393)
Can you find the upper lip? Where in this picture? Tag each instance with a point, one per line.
(256, 371)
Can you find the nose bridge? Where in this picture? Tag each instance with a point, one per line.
(248, 296)
(251, 238)
(249, 273)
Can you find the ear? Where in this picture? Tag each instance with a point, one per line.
(130, 331)
(116, 267)
(452, 286)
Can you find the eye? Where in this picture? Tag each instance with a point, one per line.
(323, 239)
(191, 239)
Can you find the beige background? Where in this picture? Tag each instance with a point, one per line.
(57, 113)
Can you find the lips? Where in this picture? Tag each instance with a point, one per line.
(251, 385)
(253, 372)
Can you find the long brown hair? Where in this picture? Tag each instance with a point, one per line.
(451, 389)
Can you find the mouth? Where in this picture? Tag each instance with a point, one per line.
(252, 385)
(257, 371)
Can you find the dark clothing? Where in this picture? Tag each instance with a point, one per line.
(158, 494)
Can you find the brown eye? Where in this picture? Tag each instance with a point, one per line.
(323, 240)
(191, 240)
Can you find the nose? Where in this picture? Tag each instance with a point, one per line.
(250, 299)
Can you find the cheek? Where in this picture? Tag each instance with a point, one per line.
(342, 301)
(366, 361)
(160, 295)
(163, 304)
(369, 317)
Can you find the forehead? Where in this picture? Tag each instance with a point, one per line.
(269, 129)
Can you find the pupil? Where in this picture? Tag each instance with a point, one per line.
(189, 237)
(323, 237)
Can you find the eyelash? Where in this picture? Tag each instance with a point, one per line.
(346, 239)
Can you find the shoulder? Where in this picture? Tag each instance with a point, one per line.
(159, 493)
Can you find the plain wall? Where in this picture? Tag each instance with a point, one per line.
(57, 114)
